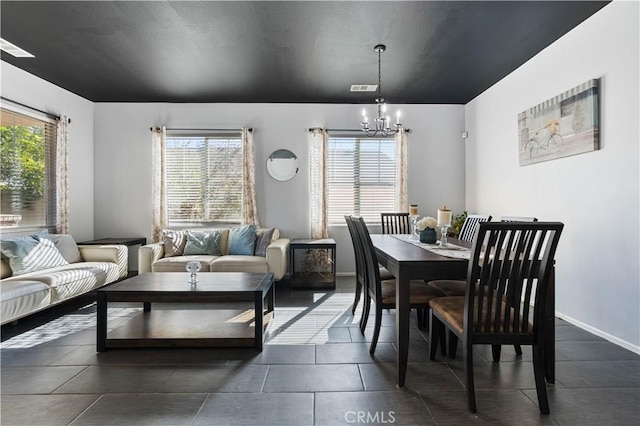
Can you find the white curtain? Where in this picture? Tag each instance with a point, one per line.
(249, 205)
(402, 202)
(62, 175)
(318, 149)
(159, 217)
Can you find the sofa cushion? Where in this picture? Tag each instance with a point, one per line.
(174, 242)
(74, 279)
(179, 263)
(239, 263)
(20, 297)
(31, 253)
(264, 237)
(67, 247)
(202, 242)
(242, 240)
(5, 269)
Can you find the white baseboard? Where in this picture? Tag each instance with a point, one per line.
(600, 333)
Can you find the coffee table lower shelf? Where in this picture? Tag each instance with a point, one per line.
(188, 328)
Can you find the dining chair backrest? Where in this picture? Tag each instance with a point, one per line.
(395, 223)
(468, 229)
(374, 285)
(361, 273)
(510, 261)
(518, 219)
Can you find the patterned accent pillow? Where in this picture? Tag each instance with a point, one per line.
(203, 242)
(242, 240)
(31, 253)
(174, 242)
(264, 237)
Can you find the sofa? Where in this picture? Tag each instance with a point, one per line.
(238, 249)
(41, 270)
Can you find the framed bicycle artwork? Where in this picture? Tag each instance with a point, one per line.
(565, 125)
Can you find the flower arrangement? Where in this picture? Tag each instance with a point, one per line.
(426, 222)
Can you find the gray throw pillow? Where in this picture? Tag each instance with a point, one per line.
(67, 247)
(203, 242)
(262, 241)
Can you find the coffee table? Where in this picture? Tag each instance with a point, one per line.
(188, 327)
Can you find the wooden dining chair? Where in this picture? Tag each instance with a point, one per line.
(395, 223)
(360, 266)
(383, 292)
(506, 296)
(361, 274)
(468, 229)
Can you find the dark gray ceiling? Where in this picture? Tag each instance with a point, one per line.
(292, 51)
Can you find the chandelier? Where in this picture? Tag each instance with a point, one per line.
(381, 121)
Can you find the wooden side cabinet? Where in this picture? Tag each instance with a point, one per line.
(318, 264)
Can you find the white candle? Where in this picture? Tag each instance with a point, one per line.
(444, 217)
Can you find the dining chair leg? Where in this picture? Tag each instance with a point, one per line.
(420, 317)
(366, 308)
(467, 355)
(376, 331)
(357, 297)
(453, 344)
(495, 352)
(539, 373)
(518, 350)
(436, 334)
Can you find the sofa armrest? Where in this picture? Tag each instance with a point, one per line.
(118, 254)
(278, 257)
(149, 254)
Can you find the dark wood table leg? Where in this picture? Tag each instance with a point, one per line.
(402, 325)
(101, 322)
(146, 306)
(259, 317)
(271, 298)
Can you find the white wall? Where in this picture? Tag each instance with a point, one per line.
(123, 159)
(595, 194)
(22, 87)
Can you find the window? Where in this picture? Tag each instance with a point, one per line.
(361, 178)
(203, 178)
(27, 172)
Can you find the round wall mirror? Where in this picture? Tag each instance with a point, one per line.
(282, 164)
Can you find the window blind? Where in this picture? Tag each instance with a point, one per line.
(361, 178)
(203, 179)
(27, 171)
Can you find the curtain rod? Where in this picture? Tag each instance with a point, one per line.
(48, 114)
(206, 130)
(348, 130)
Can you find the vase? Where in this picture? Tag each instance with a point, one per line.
(428, 236)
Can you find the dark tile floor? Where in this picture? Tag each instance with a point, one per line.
(315, 370)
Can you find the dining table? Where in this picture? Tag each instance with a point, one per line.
(407, 260)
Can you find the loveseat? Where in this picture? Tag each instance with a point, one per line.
(41, 270)
(239, 249)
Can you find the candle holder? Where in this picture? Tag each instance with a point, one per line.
(414, 226)
(193, 267)
(443, 235)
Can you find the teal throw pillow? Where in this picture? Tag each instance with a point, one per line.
(202, 242)
(242, 240)
(31, 253)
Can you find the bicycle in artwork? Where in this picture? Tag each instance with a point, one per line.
(549, 144)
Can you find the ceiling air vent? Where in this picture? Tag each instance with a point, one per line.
(364, 87)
